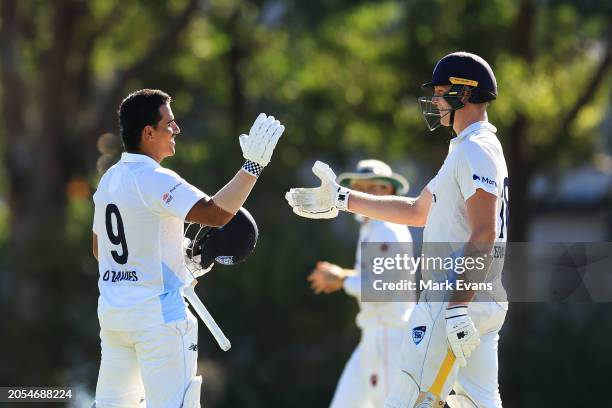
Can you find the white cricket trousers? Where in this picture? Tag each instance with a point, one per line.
(366, 378)
(425, 348)
(156, 363)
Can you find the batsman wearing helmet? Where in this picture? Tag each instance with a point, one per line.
(148, 336)
(365, 381)
(452, 337)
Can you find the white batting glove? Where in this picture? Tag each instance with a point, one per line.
(319, 202)
(258, 146)
(461, 333)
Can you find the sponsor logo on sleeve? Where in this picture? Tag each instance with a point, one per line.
(485, 180)
(418, 333)
(167, 198)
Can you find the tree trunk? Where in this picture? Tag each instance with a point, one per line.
(520, 172)
(520, 315)
(520, 168)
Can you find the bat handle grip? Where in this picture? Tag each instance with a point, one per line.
(205, 316)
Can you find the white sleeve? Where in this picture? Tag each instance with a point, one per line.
(476, 169)
(352, 286)
(98, 222)
(432, 184)
(165, 192)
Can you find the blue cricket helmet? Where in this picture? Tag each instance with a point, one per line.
(230, 244)
(465, 73)
(464, 68)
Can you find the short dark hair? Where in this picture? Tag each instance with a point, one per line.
(137, 110)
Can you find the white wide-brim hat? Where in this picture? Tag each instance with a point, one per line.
(374, 170)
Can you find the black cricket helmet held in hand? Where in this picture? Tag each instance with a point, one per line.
(230, 244)
(462, 71)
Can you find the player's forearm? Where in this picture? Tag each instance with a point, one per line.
(257, 149)
(479, 246)
(206, 212)
(233, 195)
(219, 210)
(395, 209)
(348, 272)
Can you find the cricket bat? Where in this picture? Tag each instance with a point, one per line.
(431, 398)
(208, 320)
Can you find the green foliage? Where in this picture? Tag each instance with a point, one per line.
(343, 76)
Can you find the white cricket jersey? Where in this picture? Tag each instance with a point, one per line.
(140, 208)
(475, 160)
(394, 314)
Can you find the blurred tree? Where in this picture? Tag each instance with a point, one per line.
(553, 75)
(342, 75)
(57, 97)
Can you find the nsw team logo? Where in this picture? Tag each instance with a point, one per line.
(225, 259)
(418, 333)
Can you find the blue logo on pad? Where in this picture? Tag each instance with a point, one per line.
(418, 333)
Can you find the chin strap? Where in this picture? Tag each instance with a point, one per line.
(453, 97)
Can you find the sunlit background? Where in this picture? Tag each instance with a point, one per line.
(343, 76)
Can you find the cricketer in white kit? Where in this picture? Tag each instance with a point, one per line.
(148, 336)
(365, 380)
(453, 335)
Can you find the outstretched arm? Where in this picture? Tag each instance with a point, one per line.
(257, 149)
(395, 209)
(326, 200)
(327, 277)
(219, 210)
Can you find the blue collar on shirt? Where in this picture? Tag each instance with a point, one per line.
(138, 158)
